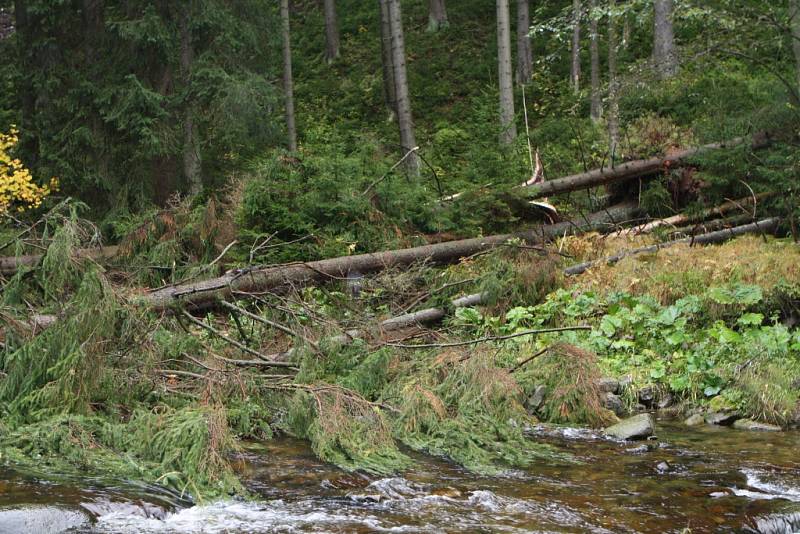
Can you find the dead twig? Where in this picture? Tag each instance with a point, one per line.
(529, 359)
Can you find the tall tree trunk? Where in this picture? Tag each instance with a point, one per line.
(29, 141)
(404, 118)
(437, 16)
(524, 52)
(613, 83)
(575, 72)
(509, 128)
(192, 163)
(331, 32)
(596, 105)
(665, 56)
(288, 81)
(795, 14)
(389, 89)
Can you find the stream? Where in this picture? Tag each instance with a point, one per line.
(709, 479)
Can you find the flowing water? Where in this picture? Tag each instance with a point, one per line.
(709, 479)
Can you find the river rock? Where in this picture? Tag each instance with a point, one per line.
(749, 424)
(625, 382)
(614, 403)
(722, 418)
(637, 427)
(665, 401)
(647, 395)
(535, 401)
(695, 420)
(608, 385)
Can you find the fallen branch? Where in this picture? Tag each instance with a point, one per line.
(489, 338)
(261, 279)
(262, 358)
(273, 324)
(529, 359)
(704, 239)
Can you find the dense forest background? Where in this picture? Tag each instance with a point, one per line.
(135, 104)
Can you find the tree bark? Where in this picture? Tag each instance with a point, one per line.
(613, 84)
(239, 283)
(765, 225)
(288, 81)
(633, 169)
(192, 163)
(437, 15)
(508, 127)
(575, 72)
(331, 32)
(524, 50)
(404, 117)
(795, 23)
(665, 56)
(595, 103)
(389, 87)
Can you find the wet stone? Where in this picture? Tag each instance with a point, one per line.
(722, 418)
(665, 402)
(637, 427)
(694, 420)
(749, 424)
(663, 467)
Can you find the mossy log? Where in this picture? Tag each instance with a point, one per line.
(241, 282)
(634, 169)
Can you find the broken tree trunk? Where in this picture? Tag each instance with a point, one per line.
(260, 279)
(719, 236)
(633, 169)
(684, 218)
(10, 264)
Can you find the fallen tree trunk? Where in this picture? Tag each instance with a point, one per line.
(633, 169)
(240, 282)
(710, 226)
(684, 218)
(10, 264)
(433, 315)
(705, 239)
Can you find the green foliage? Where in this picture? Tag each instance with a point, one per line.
(466, 408)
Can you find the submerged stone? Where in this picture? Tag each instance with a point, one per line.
(749, 424)
(694, 420)
(637, 427)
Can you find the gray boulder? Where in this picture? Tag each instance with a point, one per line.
(637, 427)
(749, 424)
